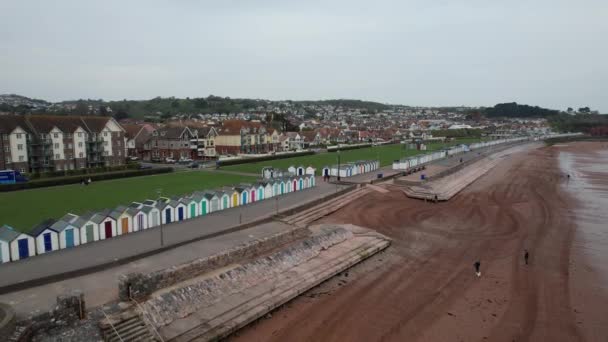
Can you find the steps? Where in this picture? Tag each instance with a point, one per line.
(126, 327)
(310, 215)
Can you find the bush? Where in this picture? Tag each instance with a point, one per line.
(65, 173)
(346, 148)
(259, 159)
(42, 183)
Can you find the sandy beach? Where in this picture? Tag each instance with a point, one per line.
(424, 287)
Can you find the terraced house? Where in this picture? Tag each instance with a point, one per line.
(42, 143)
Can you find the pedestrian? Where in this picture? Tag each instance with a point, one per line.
(477, 265)
(89, 181)
(568, 176)
(436, 198)
(526, 256)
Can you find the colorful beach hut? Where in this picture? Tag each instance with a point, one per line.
(20, 245)
(47, 239)
(88, 229)
(68, 234)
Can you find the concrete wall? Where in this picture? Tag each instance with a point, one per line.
(142, 285)
(7, 321)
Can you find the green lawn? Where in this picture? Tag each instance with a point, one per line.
(387, 154)
(24, 209)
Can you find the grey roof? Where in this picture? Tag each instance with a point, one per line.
(149, 202)
(115, 214)
(197, 196)
(209, 195)
(69, 217)
(42, 226)
(147, 208)
(121, 208)
(99, 217)
(133, 211)
(8, 234)
(135, 205)
(61, 225)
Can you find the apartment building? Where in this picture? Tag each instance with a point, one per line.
(240, 136)
(170, 142)
(205, 141)
(43, 143)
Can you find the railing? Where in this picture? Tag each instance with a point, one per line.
(112, 325)
(147, 320)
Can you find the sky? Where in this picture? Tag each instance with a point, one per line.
(551, 53)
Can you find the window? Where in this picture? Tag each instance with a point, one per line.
(57, 157)
(56, 145)
(80, 134)
(18, 135)
(68, 135)
(119, 153)
(70, 145)
(69, 156)
(20, 147)
(21, 158)
(80, 155)
(55, 135)
(118, 143)
(80, 144)
(105, 143)
(105, 134)
(22, 170)
(7, 149)
(8, 160)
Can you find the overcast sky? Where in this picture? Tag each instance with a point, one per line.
(551, 53)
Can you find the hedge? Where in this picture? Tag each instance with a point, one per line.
(260, 159)
(77, 179)
(346, 148)
(65, 173)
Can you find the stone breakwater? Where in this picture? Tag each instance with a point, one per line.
(181, 302)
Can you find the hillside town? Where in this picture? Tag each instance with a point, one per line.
(53, 142)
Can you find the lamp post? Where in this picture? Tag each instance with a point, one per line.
(162, 237)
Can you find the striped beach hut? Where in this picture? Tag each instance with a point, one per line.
(20, 245)
(68, 234)
(87, 227)
(47, 239)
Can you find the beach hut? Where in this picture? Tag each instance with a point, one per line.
(47, 239)
(214, 198)
(68, 234)
(282, 187)
(300, 170)
(253, 193)
(276, 188)
(288, 185)
(7, 235)
(224, 199)
(167, 211)
(243, 191)
(292, 170)
(69, 218)
(152, 218)
(267, 189)
(180, 208)
(150, 202)
(124, 220)
(192, 207)
(311, 170)
(261, 190)
(20, 245)
(301, 183)
(197, 197)
(87, 228)
(107, 224)
(138, 219)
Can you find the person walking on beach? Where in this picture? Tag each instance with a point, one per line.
(526, 256)
(477, 266)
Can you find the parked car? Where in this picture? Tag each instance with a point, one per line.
(169, 160)
(194, 165)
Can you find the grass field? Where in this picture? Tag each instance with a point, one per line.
(387, 154)
(24, 209)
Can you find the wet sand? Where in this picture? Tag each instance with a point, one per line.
(424, 288)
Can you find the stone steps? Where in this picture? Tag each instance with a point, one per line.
(126, 327)
(305, 217)
(220, 320)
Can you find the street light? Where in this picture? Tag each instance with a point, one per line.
(162, 237)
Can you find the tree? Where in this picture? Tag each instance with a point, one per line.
(585, 110)
(569, 110)
(103, 111)
(121, 114)
(81, 108)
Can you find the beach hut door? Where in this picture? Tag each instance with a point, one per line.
(69, 238)
(180, 213)
(125, 225)
(23, 249)
(192, 210)
(204, 208)
(48, 245)
(90, 235)
(168, 215)
(108, 228)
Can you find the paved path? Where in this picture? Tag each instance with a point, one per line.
(102, 287)
(115, 249)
